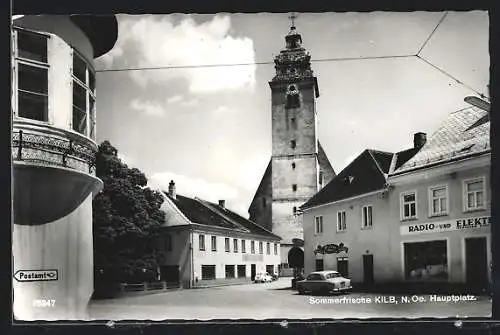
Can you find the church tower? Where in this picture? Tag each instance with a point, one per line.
(298, 167)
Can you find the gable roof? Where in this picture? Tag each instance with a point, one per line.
(365, 174)
(454, 139)
(206, 213)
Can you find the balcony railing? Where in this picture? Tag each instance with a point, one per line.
(53, 150)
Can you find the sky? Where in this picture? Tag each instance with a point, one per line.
(209, 128)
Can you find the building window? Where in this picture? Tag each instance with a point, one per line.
(474, 194)
(268, 248)
(83, 96)
(207, 272)
(229, 271)
(226, 244)
(318, 224)
(341, 221)
(294, 123)
(264, 202)
(294, 210)
(293, 166)
(202, 242)
(235, 245)
(261, 247)
(319, 265)
(32, 75)
(294, 187)
(168, 242)
(214, 243)
(367, 216)
(275, 248)
(270, 269)
(320, 179)
(252, 247)
(243, 246)
(242, 271)
(293, 144)
(438, 200)
(409, 205)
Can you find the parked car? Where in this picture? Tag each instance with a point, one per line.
(324, 282)
(263, 277)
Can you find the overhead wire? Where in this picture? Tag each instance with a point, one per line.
(337, 59)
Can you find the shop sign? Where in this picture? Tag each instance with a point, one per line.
(445, 226)
(330, 249)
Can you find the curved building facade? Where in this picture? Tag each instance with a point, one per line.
(53, 156)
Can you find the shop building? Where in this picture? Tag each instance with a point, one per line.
(440, 205)
(422, 220)
(53, 155)
(204, 243)
(350, 214)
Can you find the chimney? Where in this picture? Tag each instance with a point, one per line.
(419, 140)
(222, 203)
(171, 189)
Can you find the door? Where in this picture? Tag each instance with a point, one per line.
(476, 264)
(342, 266)
(319, 265)
(252, 272)
(368, 269)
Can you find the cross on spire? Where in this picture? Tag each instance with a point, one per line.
(292, 18)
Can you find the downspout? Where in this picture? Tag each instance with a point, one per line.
(192, 260)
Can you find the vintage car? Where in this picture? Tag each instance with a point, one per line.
(263, 278)
(324, 282)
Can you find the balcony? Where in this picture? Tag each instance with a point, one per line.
(53, 172)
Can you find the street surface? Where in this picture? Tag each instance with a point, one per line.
(275, 301)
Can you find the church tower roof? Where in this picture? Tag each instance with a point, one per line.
(294, 61)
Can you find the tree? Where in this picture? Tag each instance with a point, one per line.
(126, 221)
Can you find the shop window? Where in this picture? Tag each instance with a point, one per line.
(243, 246)
(438, 200)
(341, 221)
(242, 271)
(261, 247)
(214, 243)
(426, 261)
(474, 196)
(201, 239)
(318, 225)
(226, 244)
(252, 247)
(207, 272)
(32, 75)
(408, 205)
(367, 216)
(235, 245)
(229, 271)
(268, 248)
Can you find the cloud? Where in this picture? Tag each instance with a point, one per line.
(190, 103)
(194, 187)
(221, 110)
(148, 108)
(174, 99)
(155, 41)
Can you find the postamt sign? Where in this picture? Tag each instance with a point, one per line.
(445, 226)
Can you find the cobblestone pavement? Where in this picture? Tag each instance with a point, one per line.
(275, 301)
